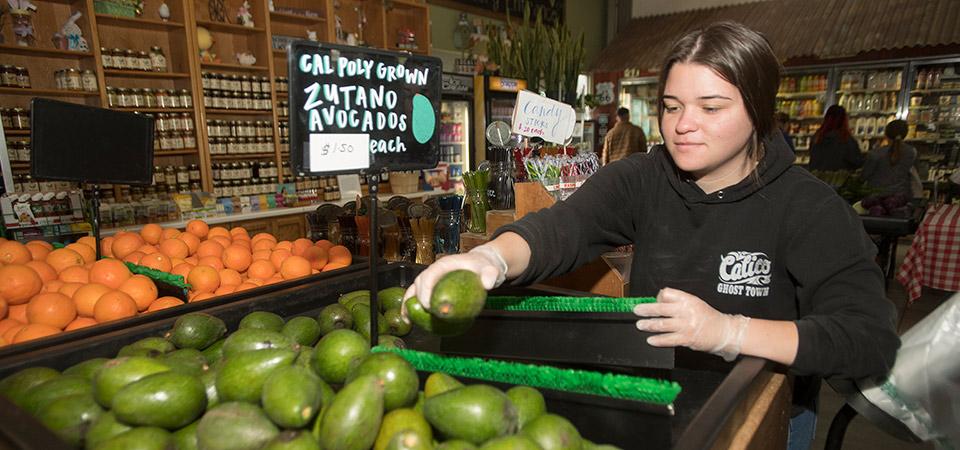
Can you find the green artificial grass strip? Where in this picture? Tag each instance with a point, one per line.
(169, 278)
(567, 304)
(649, 390)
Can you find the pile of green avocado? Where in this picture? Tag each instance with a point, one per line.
(303, 383)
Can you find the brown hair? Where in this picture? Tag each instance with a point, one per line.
(743, 58)
(835, 122)
(896, 131)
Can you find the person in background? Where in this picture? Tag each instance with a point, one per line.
(834, 147)
(782, 120)
(747, 253)
(624, 139)
(888, 168)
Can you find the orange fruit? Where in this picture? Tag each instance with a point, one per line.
(106, 247)
(243, 243)
(278, 256)
(148, 249)
(170, 233)
(75, 274)
(224, 242)
(317, 257)
(218, 231)
(174, 248)
(300, 245)
(239, 231)
(109, 272)
(261, 255)
(164, 303)
(254, 281)
(157, 261)
(230, 277)
(261, 236)
(35, 331)
(134, 258)
(209, 248)
(211, 261)
(62, 258)
(198, 228)
(182, 269)
(50, 308)
(192, 259)
(285, 245)
(38, 251)
(141, 289)
(324, 244)
(246, 286)
(261, 269)
(294, 267)
(4, 307)
(13, 252)
(274, 279)
(125, 244)
(53, 286)
(69, 289)
(7, 324)
(333, 266)
(18, 283)
(339, 254)
(80, 322)
(193, 242)
(18, 313)
(114, 305)
(49, 246)
(263, 244)
(204, 279)
(201, 296)
(151, 233)
(88, 253)
(12, 331)
(89, 241)
(237, 258)
(225, 289)
(43, 269)
(86, 298)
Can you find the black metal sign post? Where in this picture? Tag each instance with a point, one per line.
(373, 180)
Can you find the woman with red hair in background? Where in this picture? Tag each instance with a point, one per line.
(834, 148)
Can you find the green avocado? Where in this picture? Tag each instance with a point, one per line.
(553, 432)
(515, 442)
(458, 296)
(438, 383)
(291, 396)
(529, 402)
(142, 438)
(334, 317)
(456, 444)
(432, 324)
(41, 395)
(186, 360)
(399, 420)
(352, 419)
(397, 324)
(362, 322)
(475, 413)
(399, 378)
(337, 353)
(235, 426)
(169, 400)
(409, 440)
(242, 376)
(248, 339)
(119, 372)
(390, 298)
(196, 330)
(186, 437)
(293, 440)
(70, 416)
(15, 386)
(105, 427)
(303, 330)
(87, 369)
(262, 320)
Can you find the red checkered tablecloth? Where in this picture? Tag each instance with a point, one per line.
(934, 257)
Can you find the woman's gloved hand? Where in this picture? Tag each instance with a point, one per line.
(484, 260)
(686, 320)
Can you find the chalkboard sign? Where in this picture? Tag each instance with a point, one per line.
(90, 145)
(355, 108)
(552, 9)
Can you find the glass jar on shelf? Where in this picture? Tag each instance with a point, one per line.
(143, 61)
(186, 100)
(149, 98)
(106, 58)
(19, 119)
(72, 80)
(158, 61)
(131, 61)
(23, 77)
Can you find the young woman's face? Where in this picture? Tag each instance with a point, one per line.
(705, 126)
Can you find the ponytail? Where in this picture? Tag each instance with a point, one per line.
(896, 131)
(895, 151)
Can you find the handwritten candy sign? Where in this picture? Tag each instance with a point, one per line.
(537, 116)
(356, 108)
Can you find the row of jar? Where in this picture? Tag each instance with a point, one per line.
(14, 76)
(18, 151)
(234, 83)
(244, 170)
(173, 121)
(236, 100)
(240, 145)
(127, 59)
(148, 98)
(15, 118)
(174, 140)
(237, 188)
(26, 184)
(71, 79)
(283, 110)
(239, 128)
(46, 207)
(127, 212)
(175, 175)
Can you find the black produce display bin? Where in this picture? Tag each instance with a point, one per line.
(711, 390)
(360, 265)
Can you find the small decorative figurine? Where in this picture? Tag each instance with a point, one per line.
(138, 8)
(339, 34)
(271, 7)
(244, 16)
(163, 11)
(21, 12)
(246, 59)
(205, 42)
(351, 38)
(312, 35)
(70, 36)
(218, 12)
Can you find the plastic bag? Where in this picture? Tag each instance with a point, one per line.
(923, 388)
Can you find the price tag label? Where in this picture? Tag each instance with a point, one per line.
(330, 152)
(538, 116)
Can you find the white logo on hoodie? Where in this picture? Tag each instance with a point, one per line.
(745, 273)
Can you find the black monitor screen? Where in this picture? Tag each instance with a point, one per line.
(356, 108)
(88, 144)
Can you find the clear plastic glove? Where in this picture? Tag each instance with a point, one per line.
(484, 260)
(686, 320)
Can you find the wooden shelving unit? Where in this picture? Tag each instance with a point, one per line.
(142, 74)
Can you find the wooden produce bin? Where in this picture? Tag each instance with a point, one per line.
(720, 405)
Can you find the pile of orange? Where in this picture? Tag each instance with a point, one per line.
(44, 291)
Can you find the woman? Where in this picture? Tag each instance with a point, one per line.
(747, 253)
(833, 147)
(888, 168)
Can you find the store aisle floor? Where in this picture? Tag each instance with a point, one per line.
(862, 435)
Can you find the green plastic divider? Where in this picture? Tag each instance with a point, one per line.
(567, 304)
(169, 278)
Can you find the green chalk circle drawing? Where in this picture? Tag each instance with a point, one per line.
(424, 119)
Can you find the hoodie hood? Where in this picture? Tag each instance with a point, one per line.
(776, 160)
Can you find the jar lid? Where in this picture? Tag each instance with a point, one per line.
(156, 48)
(21, 69)
(142, 53)
(71, 70)
(88, 71)
(129, 52)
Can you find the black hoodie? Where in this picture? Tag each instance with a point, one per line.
(779, 245)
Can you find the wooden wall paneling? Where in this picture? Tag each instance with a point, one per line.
(289, 228)
(413, 16)
(191, 56)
